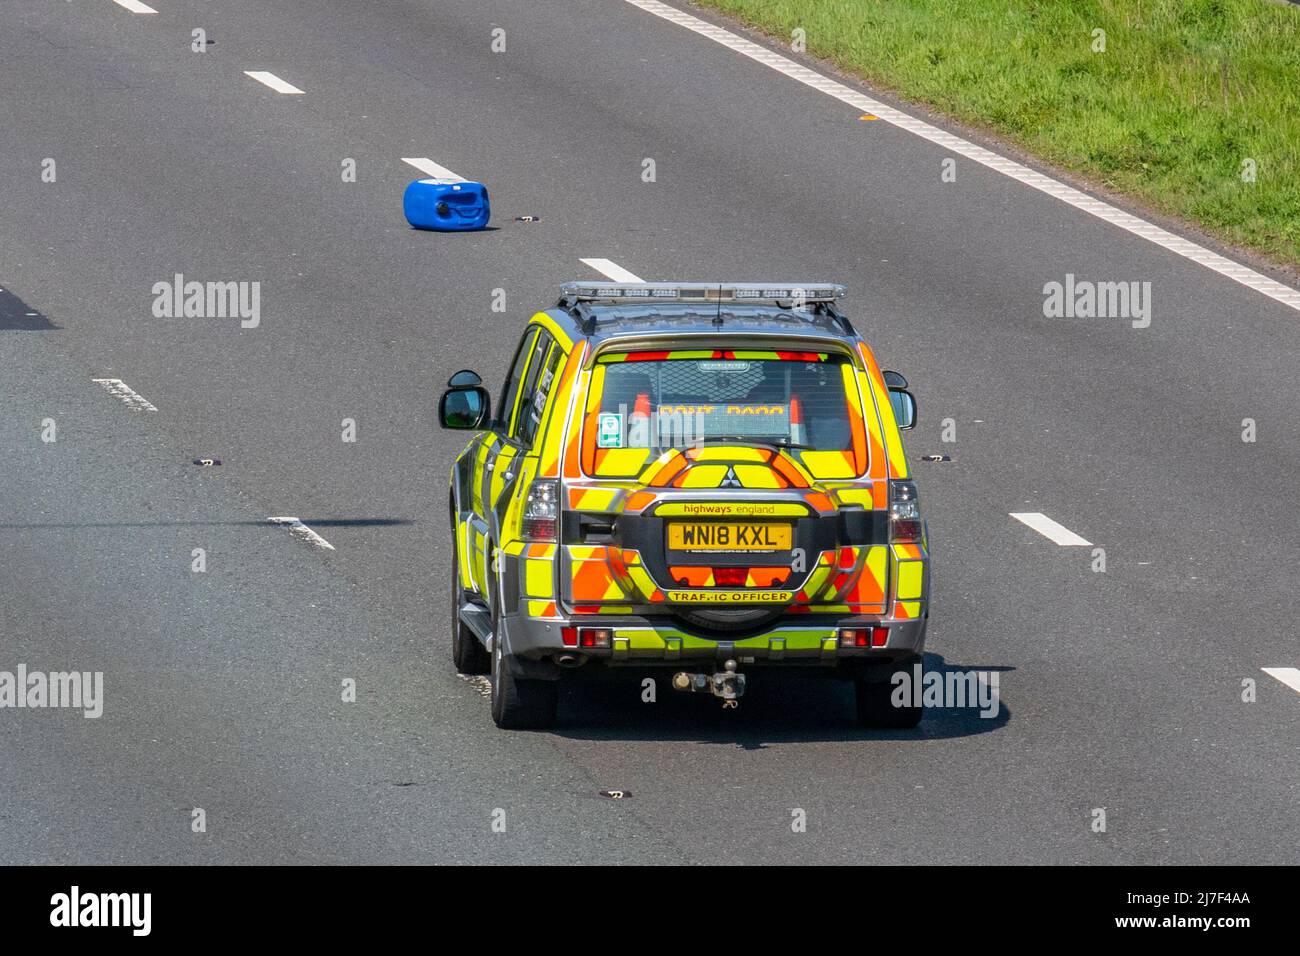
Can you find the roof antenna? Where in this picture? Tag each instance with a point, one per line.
(717, 319)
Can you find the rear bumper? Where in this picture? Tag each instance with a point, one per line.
(642, 641)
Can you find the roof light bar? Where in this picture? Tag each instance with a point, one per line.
(704, 291)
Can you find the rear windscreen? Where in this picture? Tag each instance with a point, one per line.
(805, 402)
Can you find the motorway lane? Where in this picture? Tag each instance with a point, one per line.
(223, 688)
(220, 178)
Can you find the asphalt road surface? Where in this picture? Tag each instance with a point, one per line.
(1121, 690)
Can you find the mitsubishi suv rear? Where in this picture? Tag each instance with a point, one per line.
(701, 479)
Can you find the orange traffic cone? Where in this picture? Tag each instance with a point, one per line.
(638, 422)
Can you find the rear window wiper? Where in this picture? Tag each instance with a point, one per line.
(778, 442)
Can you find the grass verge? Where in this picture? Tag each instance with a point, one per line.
(1191, 106)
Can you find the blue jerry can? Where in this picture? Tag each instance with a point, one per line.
(446, 204)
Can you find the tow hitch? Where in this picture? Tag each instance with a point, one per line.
(728, 684)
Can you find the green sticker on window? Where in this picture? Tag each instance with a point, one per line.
(609, 433)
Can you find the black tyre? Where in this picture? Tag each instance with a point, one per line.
(469, 655)
(517, 703)
(875, 701)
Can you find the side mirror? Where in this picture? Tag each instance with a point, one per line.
(465, 407)
(904, 407)
(464, 377)
(903, 401)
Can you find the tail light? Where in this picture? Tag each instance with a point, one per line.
(730, 577)
(541, 511)
(904, 513)
(588, 637)
(864, 637)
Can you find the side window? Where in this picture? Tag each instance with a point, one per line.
(541, 376)
(505, 411)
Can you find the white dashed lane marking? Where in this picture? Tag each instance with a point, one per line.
(1287, 675)
(612, 269)
(273, 81)
(430, 168)
(135, 6)
(129, 397)
(864, 104)
(1050, 529)
(302, 532)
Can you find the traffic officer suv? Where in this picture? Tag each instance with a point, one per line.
(702, 479)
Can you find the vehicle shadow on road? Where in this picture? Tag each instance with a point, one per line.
(17, 316)
(775, 709)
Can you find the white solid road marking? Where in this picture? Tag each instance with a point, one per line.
(1287, 675)
(301, 531)
(130, 398)
(273, 81)
(1116, 217)
(612, 269)
(430, 168)
(1050, 529)
(135, 6)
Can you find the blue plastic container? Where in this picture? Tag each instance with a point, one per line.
(446, 205)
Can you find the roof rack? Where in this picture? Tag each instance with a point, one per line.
(784, 293)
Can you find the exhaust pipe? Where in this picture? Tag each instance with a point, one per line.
(570, 660)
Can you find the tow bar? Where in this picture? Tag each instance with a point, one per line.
(728, 684)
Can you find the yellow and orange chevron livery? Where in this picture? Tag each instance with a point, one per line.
(679, 471)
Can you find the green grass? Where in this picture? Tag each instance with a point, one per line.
(1185, 92)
